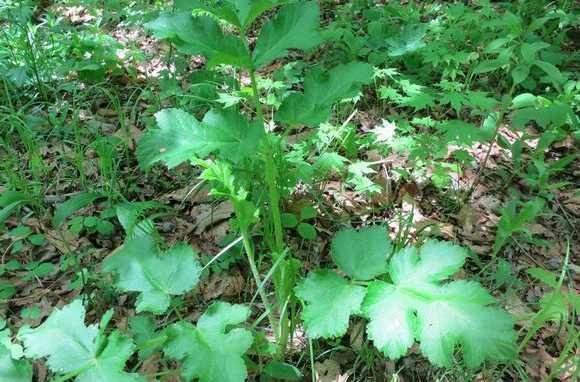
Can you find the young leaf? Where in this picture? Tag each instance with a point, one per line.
(141, 268)
(201, 35)
(71, 346)
(207, 351)
(181, 137)
(329, 302)
(294, 27)
(440, 316)
(321, 91)
(362, 254)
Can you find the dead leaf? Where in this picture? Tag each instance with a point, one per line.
(205, 215)
(222, 285)
(329, 371)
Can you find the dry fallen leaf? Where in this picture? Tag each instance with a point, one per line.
(329, 371)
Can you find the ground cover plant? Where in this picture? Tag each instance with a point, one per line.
(230, 190)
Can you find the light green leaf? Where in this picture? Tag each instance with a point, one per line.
(321, 91)
(13, 370)
(362, 254)
(408, 41)
(140, 267)
(143, 330)
(440, 316)
(294, 27)
(181, 137)
(329, 302)
(207, 351)
(71, 346)
(201, 35)
(12, 367)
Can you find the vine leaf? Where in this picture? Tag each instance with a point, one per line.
(207, 351)
(140, 267)
(181, 137)
(201, 35)
(294, 27)
(321, 91)
(330, 300)
(440, 316)
(71, 346)
(362, 254)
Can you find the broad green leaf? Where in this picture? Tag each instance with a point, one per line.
(147, 340)
(362, 254)
(440, 316)
(321, 91)
(12, 367)
(408, 41)
(520, 73)
(181, 137)
(523, 100)
(329, 302)
(283, 371)
(13, 370)
(69, 345)
(207, 351)
(294, 27)
(289, 220)
(240, 13)
(461, 132)
(72, 205)
(306, 231)
(140, 267)
(10, 201)
(201, 35)
(553, 73)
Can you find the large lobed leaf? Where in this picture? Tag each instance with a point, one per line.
(329, 300)
(207, 351)
(181, 137)
(140, 267)
(69, 345)
(321, 91)
(201, 35)
(440, 317)
(362, 254)
(294, 27)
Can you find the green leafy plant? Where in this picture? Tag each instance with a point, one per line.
(243, 148)
(413, 303)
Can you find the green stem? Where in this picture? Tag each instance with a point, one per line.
(273, 194)
(250, 253)
(281, 331)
